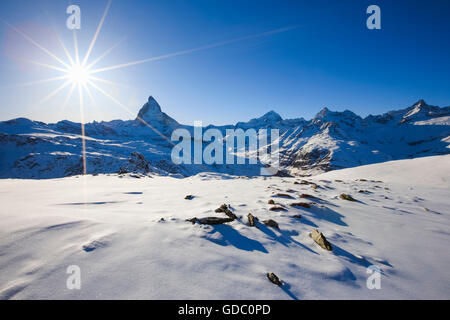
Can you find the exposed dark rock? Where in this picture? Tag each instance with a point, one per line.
(274, 279)
(271, 223)
(298, 216)
(222, 208)
(251, 220)
(346, 197)
(300, 204)
(305, 195)
(231, 215)
(277, 208)
(283, 195)
(320, 239)
(189, 197)
(210, 220)
(193, 220)
(225, 209)
(271, 201)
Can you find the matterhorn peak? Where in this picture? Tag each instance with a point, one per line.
(150, 108)
(151, 113)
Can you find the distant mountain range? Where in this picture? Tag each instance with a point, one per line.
(329, 141)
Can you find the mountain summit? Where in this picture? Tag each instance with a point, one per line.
(152, 107)
(151, 114)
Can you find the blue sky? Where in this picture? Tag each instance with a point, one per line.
(330, 59)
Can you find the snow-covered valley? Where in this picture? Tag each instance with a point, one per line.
(130, 238)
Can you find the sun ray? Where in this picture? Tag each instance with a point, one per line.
(32, 83)
(75, 44)
(94, 39)
(88, 91)
(64, 48)
(108, 82)
(51, 94)
(183, 52)
(128, 110)
(105, 53)
(69, 94)
(83, 140)
(91, 97)
(49, 66)
(48, 52)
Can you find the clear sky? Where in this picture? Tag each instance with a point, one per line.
(328, 58)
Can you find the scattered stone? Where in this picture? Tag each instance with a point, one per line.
(271, 223)
(363, 180)
(214, 220)
(274, 279)
(231, 215)
(251, 220)
(271, 201)
(314, 186)
(193, 220)
(298, 216)
(189, 197)
(290, 190)
(337, 180)
(225, 209)
(296, 182)
(305, 195)
(426, 209)
(222, 208)
(386, 188)
(277, 208)
(346, 197)
(304, 182)
(363, 191)
(320, 239)
(300, 204)
(283, 195)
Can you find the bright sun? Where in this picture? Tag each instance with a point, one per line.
(78, 74)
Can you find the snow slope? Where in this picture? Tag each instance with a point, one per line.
(130, 238)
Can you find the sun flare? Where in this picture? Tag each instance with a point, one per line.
(78, 74)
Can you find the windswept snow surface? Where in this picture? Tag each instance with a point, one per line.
(110, 226)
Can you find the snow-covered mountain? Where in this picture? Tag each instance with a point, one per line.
(331, 140)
